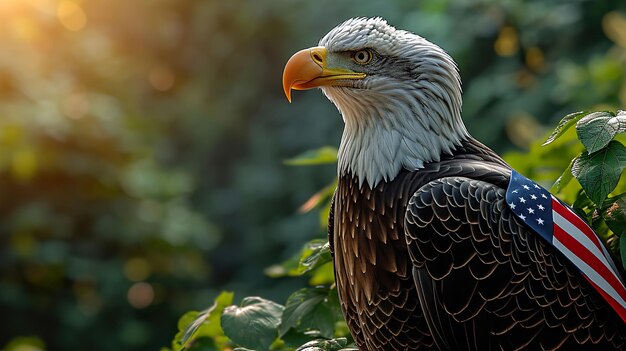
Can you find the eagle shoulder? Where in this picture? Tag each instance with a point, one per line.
(482, 278)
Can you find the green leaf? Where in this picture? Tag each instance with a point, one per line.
(324, 155)
(319, 255)
(203, 344)
(310, 309)
(599, 172)
(597, 129)
(194, 325)
(323, 275)
(564, 178)
(566, 123)
(314, 254)
(582, 204)
(294, 338)
(338, 344)
(254, 324)
(25, 343)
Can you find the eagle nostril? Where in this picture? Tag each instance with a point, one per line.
(317, 57)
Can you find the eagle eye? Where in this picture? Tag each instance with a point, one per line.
(362, 57)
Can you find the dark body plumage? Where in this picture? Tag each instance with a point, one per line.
(434, 259)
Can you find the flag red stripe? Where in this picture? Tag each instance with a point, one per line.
(576, 221)
(581, 251)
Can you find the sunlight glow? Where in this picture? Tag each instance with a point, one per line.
(71, 15)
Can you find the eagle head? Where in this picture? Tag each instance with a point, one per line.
(399, 95)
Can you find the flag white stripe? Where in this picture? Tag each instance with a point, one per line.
(604, 251)
(583, 239)
(589, 272)
(565, 208)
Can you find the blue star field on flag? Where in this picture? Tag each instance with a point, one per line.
(531, 203)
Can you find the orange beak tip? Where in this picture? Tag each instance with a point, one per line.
(287, 93)
(302, 68)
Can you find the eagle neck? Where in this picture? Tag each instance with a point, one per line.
(384, 134)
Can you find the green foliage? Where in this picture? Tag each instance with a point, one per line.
(597, 129)
(310, 319)
(324, 155)
(338, 344)
(313, 255)
(25, 344)
(193, 326)
(599, 172)
(254, 323)
(311, 309)
(566, 123)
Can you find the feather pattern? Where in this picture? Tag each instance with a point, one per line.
(470, 278)
(522, 295)
(373, 270)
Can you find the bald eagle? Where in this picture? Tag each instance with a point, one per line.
(428, 253)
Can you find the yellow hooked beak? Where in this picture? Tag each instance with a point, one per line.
(308, 69)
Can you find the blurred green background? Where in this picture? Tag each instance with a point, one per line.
(142, 142)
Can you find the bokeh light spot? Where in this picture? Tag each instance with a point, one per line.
(24, 28)
(161, 78)
(614, 25)
(25, 343)
(507, 42)
(137, 269)
(535, 59)
(71, 15)
(140, 295)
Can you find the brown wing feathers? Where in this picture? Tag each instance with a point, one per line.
(373, 271)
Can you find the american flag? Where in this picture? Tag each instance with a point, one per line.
(560, 226)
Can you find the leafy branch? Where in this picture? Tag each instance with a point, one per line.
(598, 169)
